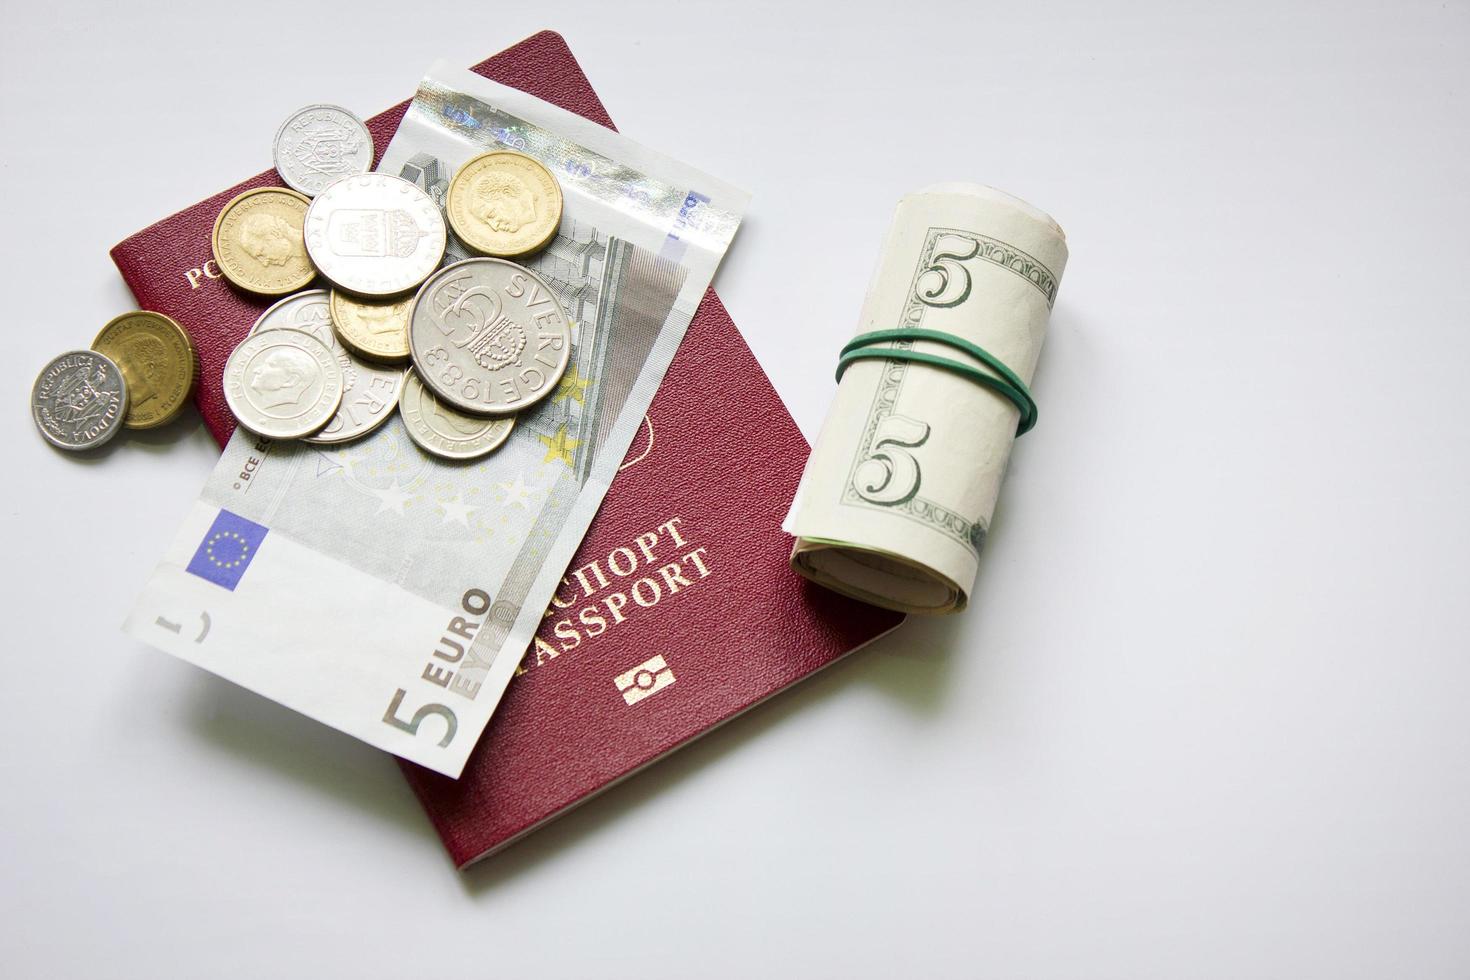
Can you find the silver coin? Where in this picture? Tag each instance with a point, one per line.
(320, 144)
(79, 400)
(369, 391)
(375, 235)
(489, 337)
(283, 384)
(441, 430)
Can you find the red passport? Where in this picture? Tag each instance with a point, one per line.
(680, 610)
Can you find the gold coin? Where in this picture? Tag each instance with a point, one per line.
(377, 330)
(258, 242)
(504, 204)
(158, 364)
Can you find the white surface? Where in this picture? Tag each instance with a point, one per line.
(1207, 715)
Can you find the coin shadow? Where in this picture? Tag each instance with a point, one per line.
(153, 441)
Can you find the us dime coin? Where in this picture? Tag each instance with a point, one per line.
(283, 384)
(505, 204)
(257, 241)
(369, 391)
(375, 329)
(157, 362)
(489, 337)
(319, 144)
(441, 430)
(375, 235)
(79, 400)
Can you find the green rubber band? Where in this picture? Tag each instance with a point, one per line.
(1008, 385)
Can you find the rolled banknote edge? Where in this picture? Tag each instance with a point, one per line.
(876, 576)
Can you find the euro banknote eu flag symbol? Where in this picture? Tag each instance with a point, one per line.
(228, 548)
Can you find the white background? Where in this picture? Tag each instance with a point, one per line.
(1207, 715)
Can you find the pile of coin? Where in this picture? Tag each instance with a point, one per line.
(459, 350)
(137, 375)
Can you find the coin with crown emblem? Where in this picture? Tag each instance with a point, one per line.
(504, 204)
(369, 391)
(489, 337)
(375, 235)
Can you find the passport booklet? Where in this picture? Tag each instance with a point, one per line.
(678, 611)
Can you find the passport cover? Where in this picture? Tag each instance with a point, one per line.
(679, 611)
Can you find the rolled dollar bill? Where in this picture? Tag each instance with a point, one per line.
(897, 497)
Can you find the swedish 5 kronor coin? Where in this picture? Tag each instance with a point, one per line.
(157, 361)
(80, 400)
(489, 337)
(283, 384)
(440, 430)
(504, 204)
(369, 391)
(319, 144)
(375, 235)
(258, 241)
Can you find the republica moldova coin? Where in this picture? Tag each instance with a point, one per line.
(375, 235)
(258, 244)
(283, 384)
(440, 430)
(319, 144)
(369, 391)
(489, 337)
(80, 400)
(504, 204)
(157, 361)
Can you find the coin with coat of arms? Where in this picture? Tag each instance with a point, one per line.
(375, 235)
(157, 361)
(320, 144)
(258, 241)
(489, 337)
(79, 400)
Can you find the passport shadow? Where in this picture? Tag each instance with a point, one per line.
(912, 663)
(280, 742)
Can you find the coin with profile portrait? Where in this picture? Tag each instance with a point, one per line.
(259, 244)
(504, 204)
(157, 360)
(369, 390)
(283, 384)
(443, 432)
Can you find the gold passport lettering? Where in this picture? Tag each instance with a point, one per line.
(602, 594)
(206, 271)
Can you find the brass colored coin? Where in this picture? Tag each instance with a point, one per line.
(504, 204)
(158, 364)
(258, 242)
(376, 330)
